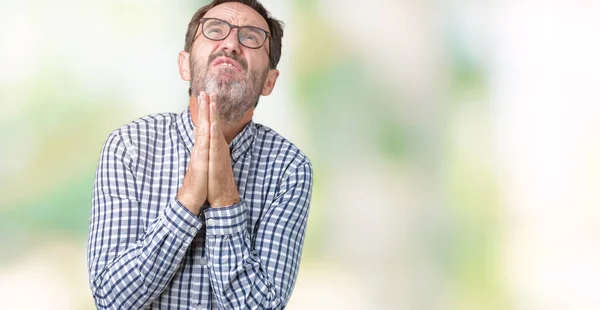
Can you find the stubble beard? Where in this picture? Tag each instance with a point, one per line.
(234, 97)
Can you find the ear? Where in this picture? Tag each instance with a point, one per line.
(270, 82)
(183, 60)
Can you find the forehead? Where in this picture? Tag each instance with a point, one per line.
(238, 14)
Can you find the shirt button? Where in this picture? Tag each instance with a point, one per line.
(209, 264)
(193, 230)
(199, 308)
(203, 261)
(211, 222)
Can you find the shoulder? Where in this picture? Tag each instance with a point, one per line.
(145, 130)
(141, 133)
(147, 126)
(279, 151)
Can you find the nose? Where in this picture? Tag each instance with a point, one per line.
(231, 43)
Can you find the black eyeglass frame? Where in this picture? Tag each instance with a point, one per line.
(231, 27)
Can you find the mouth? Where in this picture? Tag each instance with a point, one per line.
(226, 62)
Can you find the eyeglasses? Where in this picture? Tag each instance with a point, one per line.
(217, 30)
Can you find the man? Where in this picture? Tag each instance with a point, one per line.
(204, 209)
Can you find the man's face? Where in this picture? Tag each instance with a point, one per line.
(234, 73)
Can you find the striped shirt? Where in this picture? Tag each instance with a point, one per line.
(147, 251)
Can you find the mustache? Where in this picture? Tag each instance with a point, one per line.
(239, 60)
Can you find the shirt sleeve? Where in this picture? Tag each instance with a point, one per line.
(131, 261)
(259, 274)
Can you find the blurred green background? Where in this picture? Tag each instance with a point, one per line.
(456, 144)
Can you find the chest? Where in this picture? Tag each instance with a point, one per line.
(160, 174)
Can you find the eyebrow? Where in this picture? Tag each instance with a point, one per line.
(229, 21)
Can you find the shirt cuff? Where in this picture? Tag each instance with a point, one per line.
(180, 221)
(226, 220)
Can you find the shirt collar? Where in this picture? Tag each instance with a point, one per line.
(242, 142)
(238, 146)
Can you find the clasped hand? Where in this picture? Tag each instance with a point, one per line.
(209, 175)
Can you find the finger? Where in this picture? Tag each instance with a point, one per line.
(203, 145)
(205, 101)
(202, 115)
(202, 131)
(216, 137)
(215, 118)
(201, 142)
(214, 111)
(204, 124)
(197, 128)
(199, 118)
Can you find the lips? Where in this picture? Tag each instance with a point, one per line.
(226, 62)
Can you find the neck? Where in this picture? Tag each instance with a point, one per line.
(230, 129)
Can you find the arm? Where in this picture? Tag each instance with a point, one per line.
(259, 274)
(130, 263)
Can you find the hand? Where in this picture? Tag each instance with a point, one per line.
(221, 184)
(194, 191)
